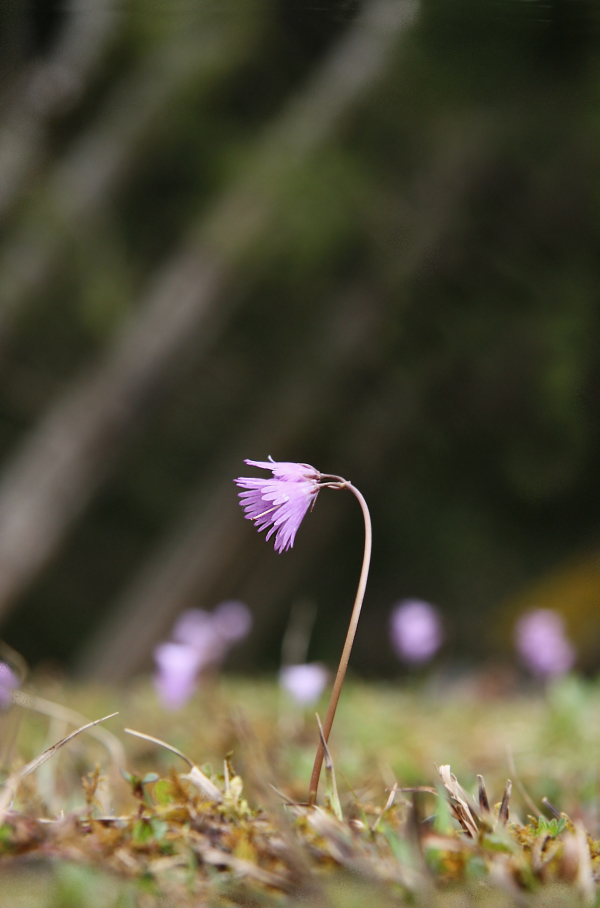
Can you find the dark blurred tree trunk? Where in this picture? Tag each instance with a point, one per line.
(65, 458)
(206, 557)
(85, 180)
(49, 88)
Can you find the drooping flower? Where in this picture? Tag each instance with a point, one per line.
(280, 502)
(416, 631)
(542, 644)
(304, 683)
(8, 684)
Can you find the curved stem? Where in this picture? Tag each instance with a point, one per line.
(341, 672)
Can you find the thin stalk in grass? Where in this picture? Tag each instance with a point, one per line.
(278, 504)
(345, 658)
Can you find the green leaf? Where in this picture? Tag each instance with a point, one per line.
(163, 792)
(142, 832)
(551, 828)
(159, 828)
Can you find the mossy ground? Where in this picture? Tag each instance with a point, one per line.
(154, 838)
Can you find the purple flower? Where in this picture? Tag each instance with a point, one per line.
(8, 683)
(304, 683)
(196, 628)
(200, 640)
(542, 645)
(178, 666)
(232, 620)
(416, 631)
(280, 502)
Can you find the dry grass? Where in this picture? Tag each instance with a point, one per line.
(81, 828)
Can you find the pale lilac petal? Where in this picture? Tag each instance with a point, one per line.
(416, 630)
(304, 683)
(232, 620)
(189, 623)
(279, 503)
(177, 670)
(542, 644)
(196, 628)
(287, 470)
(8, 683)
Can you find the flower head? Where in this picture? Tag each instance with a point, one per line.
(280, 502)
(8, 683)
(304, 683)
(416, 630)
(542, 644)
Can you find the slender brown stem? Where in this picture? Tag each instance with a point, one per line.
(341, 672)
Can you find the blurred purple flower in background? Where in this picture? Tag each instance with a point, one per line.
(177, 668)
(281, 502)
(8, 683)
(232, 620)
(200, 640)
(196, 628)
(416, 631)
(304, 683)
(542, 645)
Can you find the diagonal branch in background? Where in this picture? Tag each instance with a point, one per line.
(205, 551)
(87, 177)
(49, 87)
(62, 462)
(75, 445)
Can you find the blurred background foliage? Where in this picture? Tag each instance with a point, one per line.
(360, 235)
